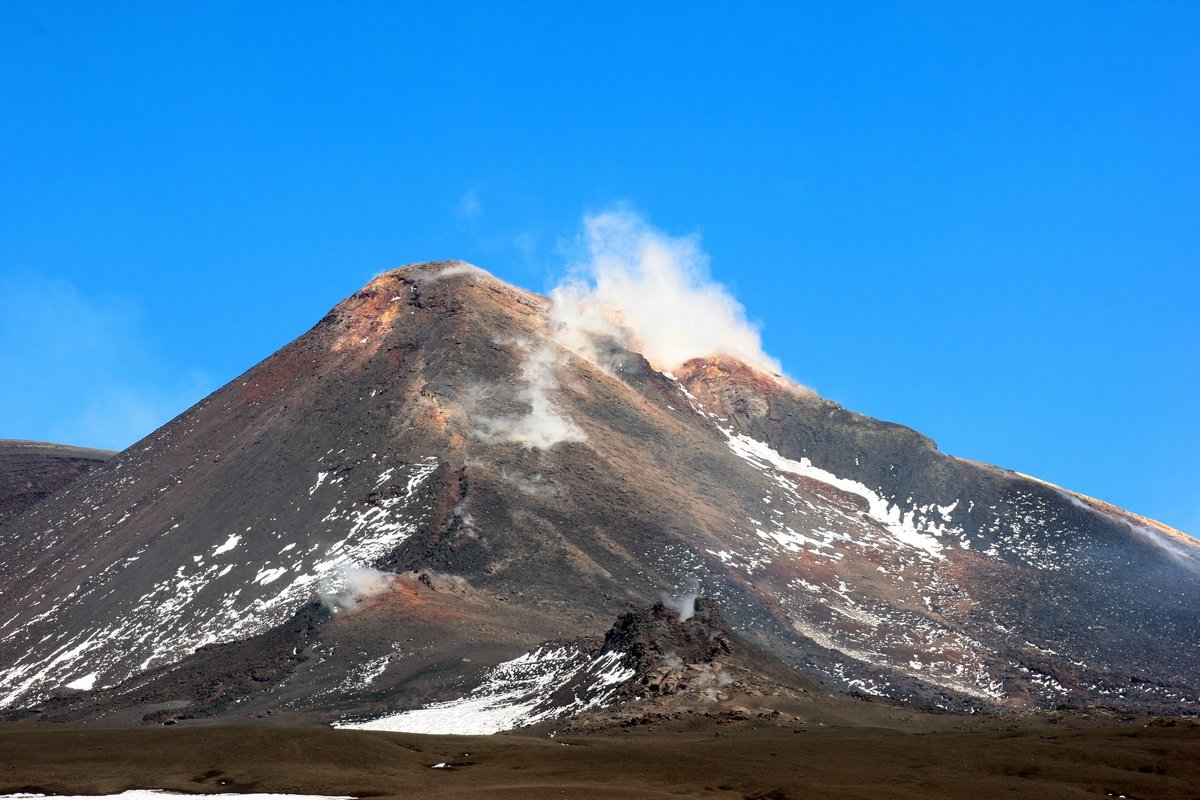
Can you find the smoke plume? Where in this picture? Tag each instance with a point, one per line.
(683, 604)
(348, 586)
(711, 680)
(653, 294)
(1188, 557)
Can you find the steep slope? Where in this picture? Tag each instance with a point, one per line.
(32, 471)
(428, 484)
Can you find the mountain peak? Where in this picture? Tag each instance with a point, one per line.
(363, 320)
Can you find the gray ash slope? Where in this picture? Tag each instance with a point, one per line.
(433, 427)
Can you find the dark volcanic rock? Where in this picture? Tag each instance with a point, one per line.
(647, 636)
(695, 673)
(701, 654)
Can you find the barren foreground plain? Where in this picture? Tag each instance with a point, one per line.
(957, 758)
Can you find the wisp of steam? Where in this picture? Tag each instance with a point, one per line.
(544, 426)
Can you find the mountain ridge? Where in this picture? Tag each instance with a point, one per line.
(31, 471)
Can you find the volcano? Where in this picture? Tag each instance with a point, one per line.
(437, 495)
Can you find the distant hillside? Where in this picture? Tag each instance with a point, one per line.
(32, 471)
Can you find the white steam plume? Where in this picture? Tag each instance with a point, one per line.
(345, 588)
(683, 604)
(544, 426)
(1185, 556)
(652, 292)
(711, 681)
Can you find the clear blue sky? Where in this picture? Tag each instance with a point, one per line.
(981, 220)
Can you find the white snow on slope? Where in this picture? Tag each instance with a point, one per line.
(200, 603)
(229, 544)
(514, 694)
(83, 684)
(891, 517)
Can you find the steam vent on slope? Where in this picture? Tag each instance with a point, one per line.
(452, 505)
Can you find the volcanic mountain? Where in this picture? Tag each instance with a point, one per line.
(437, 495)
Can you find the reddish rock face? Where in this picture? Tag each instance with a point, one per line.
(432, 428)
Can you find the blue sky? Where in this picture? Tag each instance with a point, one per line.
(977, 219)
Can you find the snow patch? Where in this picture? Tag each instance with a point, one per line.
(514, 694)
(230, 543)
(891, 517)
(83, 684)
